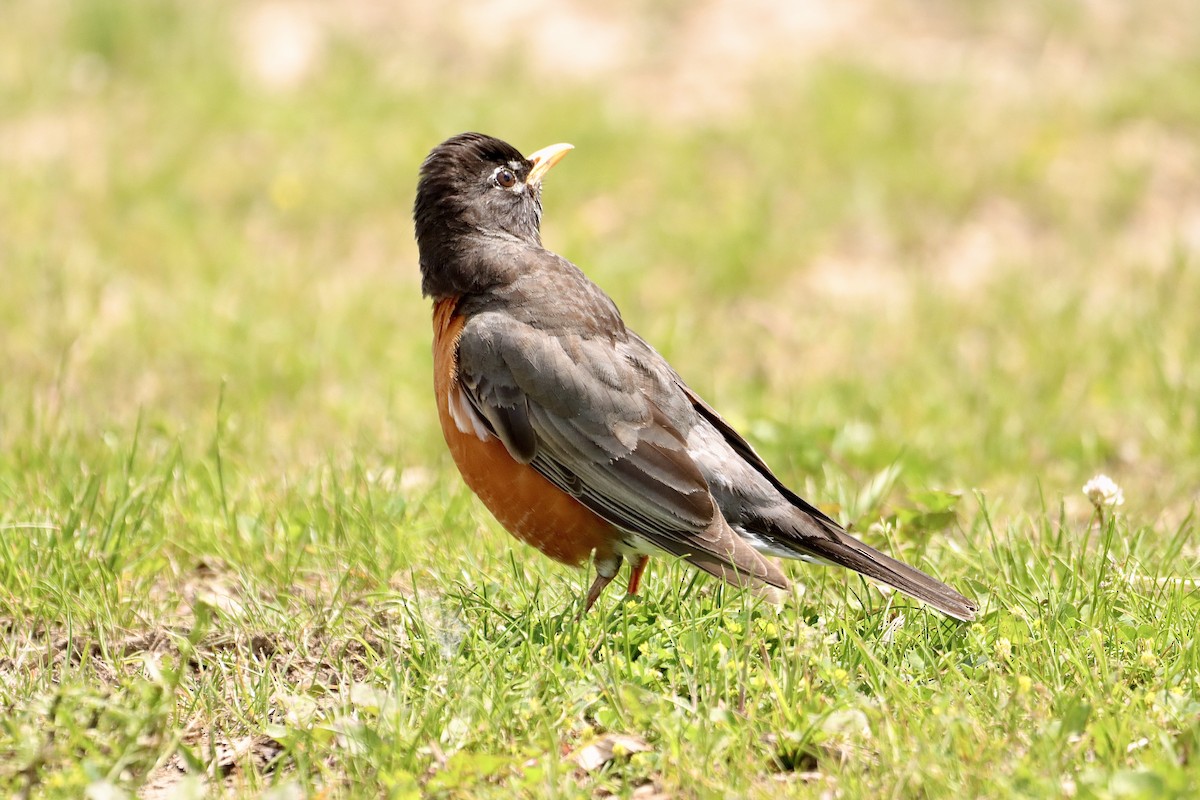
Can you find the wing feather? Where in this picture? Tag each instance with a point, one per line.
(576, 410)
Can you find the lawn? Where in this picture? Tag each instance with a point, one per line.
(939, 261)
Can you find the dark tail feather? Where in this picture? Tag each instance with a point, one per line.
(809, 533)
(846, 551)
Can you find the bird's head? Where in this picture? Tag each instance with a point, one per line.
(472, 183)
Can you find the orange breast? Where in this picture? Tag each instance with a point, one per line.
(526, 504)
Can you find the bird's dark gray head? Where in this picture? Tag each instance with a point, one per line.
(473, 185)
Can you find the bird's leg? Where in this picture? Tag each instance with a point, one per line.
(635, 574)
(606, 570)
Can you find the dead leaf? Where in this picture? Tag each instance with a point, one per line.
(600, 751)
(649, 791)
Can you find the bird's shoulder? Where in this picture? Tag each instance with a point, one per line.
(556, 336)
(546, 292)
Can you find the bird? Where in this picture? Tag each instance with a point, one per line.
(575, 433)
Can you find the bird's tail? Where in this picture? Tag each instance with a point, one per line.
(838, 547)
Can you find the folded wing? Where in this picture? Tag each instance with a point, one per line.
(574, 408)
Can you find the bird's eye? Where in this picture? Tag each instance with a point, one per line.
(506, 179)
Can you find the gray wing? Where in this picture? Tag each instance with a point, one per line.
(798, 529)
(590, 419)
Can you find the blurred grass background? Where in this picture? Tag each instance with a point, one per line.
(907, 247)
(970, 229)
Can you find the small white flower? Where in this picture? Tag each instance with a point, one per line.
(1137, 745)
(1104, 492)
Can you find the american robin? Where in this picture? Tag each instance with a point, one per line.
(574, 432)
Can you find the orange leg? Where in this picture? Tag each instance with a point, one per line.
(635, 574)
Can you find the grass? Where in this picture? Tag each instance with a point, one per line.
(234, 556)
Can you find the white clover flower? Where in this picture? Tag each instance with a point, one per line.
(1104, 492)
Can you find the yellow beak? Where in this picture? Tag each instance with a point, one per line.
(544, 159)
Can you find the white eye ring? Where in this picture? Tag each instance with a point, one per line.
(505, 178)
